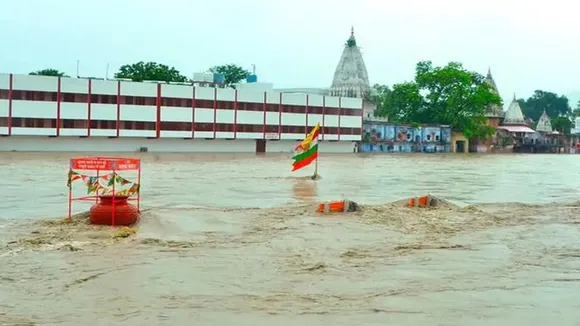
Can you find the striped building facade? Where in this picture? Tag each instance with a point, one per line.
(58, 107)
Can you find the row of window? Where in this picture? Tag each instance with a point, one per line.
(169, 126)
(173, 102)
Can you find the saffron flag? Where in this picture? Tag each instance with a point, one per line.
(307, 151)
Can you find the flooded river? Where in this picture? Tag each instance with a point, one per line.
(234, 240)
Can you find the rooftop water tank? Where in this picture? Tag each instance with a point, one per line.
(252, 78)
(219, 78)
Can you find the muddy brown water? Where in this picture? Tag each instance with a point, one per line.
(234, 240)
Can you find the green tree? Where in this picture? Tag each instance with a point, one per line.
(141, 71)
(232, 73)
(449, 95)
(404, 104)
(49, 72)
(576, 111)
(378, 95)
(555, 105)
(562, 124)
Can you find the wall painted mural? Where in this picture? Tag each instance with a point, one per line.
(386, 137)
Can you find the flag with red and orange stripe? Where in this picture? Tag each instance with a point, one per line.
(307, 151)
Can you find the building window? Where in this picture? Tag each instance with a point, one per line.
(103, 124)
(249, 106)
(176, 126)
(4, 94)
(203, 126)
(225, 127)
(225, 105)
(315, 110)
(351, 112)
(332, 111)
(204, 104)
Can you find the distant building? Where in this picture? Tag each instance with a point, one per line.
(514, 120)
(44, 113)
(575, 136)
(515, 131)
(494, 114)
(385, 137)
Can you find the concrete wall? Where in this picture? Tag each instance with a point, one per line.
(125, 144)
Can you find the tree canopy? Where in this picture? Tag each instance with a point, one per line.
(49, 72)
(576, 111)
(141, 71)
(562, 124)
(555, 105)
(232, 73)
(448, 95)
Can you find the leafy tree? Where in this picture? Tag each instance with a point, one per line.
(576, 111)
(449, 95)
(561, 124)
(378, 95)
(141, 71)
(555, 105)
(49, 72)
(232, 73)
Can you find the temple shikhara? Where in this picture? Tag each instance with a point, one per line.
(544, 124)
(494, 111)
(350, 78)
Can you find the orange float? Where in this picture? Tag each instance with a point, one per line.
(423, 201)
(109, 191)
(338, 206)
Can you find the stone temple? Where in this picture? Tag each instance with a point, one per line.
(350, 77)
(494, 111)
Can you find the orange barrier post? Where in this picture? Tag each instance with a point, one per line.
(423, 201)
(339, 206)
(109, 191)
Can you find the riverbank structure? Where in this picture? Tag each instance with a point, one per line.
(43, 113)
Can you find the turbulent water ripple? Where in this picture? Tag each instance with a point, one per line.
(235, 240)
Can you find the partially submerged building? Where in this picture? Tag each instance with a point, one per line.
(514, 132)
(384, 137)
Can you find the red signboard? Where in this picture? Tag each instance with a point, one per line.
(104, 164)
(127, 164)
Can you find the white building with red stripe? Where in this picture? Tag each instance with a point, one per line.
(41, 113)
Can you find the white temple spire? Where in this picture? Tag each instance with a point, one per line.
(544, 124)
(514, 115)
(350, 77)
(493, 110)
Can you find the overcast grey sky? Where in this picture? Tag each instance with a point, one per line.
(528, 44)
